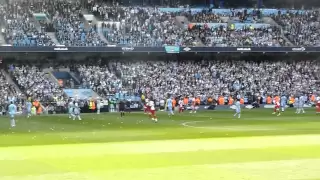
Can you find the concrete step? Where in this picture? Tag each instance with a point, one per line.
(52, 35)
(2, 40)
(100, 32)
(10, 81)
(75, 77)
(183, 22)
(50, 76)
(91, 20)
(224, 19)
(269, 20)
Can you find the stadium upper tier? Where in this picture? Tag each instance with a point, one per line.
(51, 23)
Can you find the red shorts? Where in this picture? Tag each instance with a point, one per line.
(277, 107)
(148, 108)
(153, 112)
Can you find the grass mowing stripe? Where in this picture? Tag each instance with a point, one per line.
(275, 170)
(168, 145)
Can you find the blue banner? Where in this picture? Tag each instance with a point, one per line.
(79, 93)
(172, 49)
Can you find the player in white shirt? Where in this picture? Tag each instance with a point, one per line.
(152, 114)
(162, 105)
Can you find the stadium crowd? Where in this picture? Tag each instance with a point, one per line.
(302, 29)
(19, 28)
(204, 17)
(146, 26)
(130, 79)
(70, 28)
(246, 36)
(36, 84)
(207, 78)
(99, 79)
(8, 91)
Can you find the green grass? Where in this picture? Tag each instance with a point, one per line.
(203, 146)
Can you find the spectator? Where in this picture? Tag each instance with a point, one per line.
(302, 29)
(36, 84)
(19, 30)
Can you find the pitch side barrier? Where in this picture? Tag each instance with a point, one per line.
(165, 49)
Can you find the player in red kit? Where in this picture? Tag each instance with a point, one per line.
(318, 106)
(152, 111)
(181, 104)
(146, 106)
(149, 107)
(277, 108)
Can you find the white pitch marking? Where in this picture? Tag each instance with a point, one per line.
(231, 128)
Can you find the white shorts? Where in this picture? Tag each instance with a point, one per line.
(11, 115)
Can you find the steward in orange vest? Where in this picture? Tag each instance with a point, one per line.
(230, 101)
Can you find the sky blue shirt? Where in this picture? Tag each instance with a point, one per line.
(28, 105)
(12, 109)
(169, 102)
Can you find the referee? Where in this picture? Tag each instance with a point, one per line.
(122, 107)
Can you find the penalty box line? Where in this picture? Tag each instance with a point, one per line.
(192, 124)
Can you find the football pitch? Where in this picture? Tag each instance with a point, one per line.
(209, 145)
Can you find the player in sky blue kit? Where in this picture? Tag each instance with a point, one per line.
(238, 108)
(296, 104)
(28, 108)
(70, 109)
(76, 111)
(12, 112)
(301, 103)
(283, 102)
(169, 106)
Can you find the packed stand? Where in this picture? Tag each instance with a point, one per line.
(136, 26)
(204, 17)
(69, 27)
(36, 84)
(223, 36)
(8, 91)
(215, 78)
(18, 27)
(99, 79)
(161, 78)
(107, 12)
(302, 29)
(243, 16)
